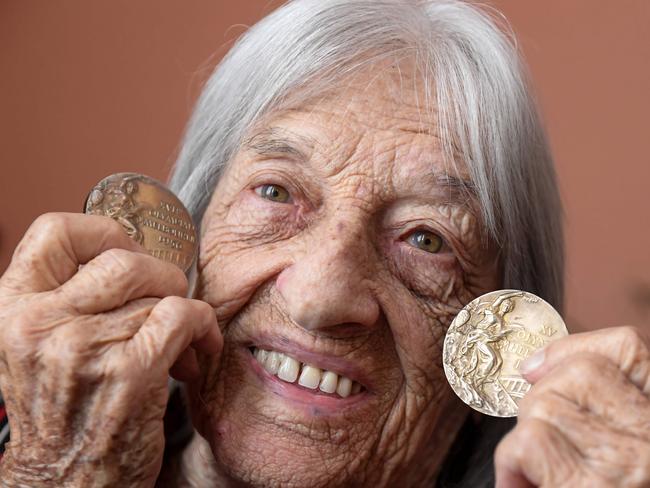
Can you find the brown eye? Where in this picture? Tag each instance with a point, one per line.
(425, 240)
(275, 193)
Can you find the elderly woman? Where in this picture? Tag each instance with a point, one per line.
(360, 169)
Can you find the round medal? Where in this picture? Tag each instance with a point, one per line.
(488, 340)
(149, 213)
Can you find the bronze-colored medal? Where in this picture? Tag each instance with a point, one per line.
(149, 213)
(488, 340)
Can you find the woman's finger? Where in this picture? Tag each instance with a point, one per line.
(173, 325)
(186, 367)
(596, 417)
(117, 276)
(508, 476)
(583, 389)
(626, 347)
(112, 327)
(534, 454)
(56, 244)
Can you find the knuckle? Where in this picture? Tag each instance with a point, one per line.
(120, 264)
(204, 308)
(124, 266)
(585, 367)
(634, 355)
(172, 310)
(109, 228)
(112, 225)
(183, 281)
(531, 432)
(540, 406)
(509, 447)
(45, 229)
(177, 280)
(526, 402)
(632, 339)
(51, 222)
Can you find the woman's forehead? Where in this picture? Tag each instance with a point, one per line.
(409, 162)
(376, 123)
(382, 96)
(382, 107)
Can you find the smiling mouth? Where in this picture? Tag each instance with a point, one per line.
(289, 369)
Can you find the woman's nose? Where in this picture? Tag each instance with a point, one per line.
(329, 286)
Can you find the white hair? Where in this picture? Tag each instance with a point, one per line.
(475, 84)
(469, 61)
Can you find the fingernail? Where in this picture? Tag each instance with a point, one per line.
(533, 362)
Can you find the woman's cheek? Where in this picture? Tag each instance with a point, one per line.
(427, 275)
(227, 283)
(258, 221)
(242, 250)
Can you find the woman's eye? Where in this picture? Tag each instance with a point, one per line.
(275, 193)
(425, 240)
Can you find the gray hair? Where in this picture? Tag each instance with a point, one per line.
(476, 82)
(486, 113)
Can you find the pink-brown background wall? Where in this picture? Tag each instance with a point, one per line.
(93, 88)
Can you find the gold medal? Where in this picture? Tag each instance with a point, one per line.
(149, 213)
(488, 340)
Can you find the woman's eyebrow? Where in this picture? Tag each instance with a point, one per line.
(456, 184)
(455, 190)
(277, 141)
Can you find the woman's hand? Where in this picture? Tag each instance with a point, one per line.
(85, 353)
(586, 420)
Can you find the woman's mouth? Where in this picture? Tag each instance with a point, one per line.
(308, 376)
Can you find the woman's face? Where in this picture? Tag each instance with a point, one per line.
(338, 237)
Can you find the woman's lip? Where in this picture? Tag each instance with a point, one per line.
(337, 365)
(310, 398)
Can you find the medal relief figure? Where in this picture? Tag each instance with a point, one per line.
(481, 347)
(115, 199)
(487, 342)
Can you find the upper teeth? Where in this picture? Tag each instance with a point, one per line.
(288, 369)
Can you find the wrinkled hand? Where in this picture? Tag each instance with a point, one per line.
(586, 420)
(85, 353)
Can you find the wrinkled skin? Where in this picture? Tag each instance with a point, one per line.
(85, 353)
(331, 274)
(586, 421)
